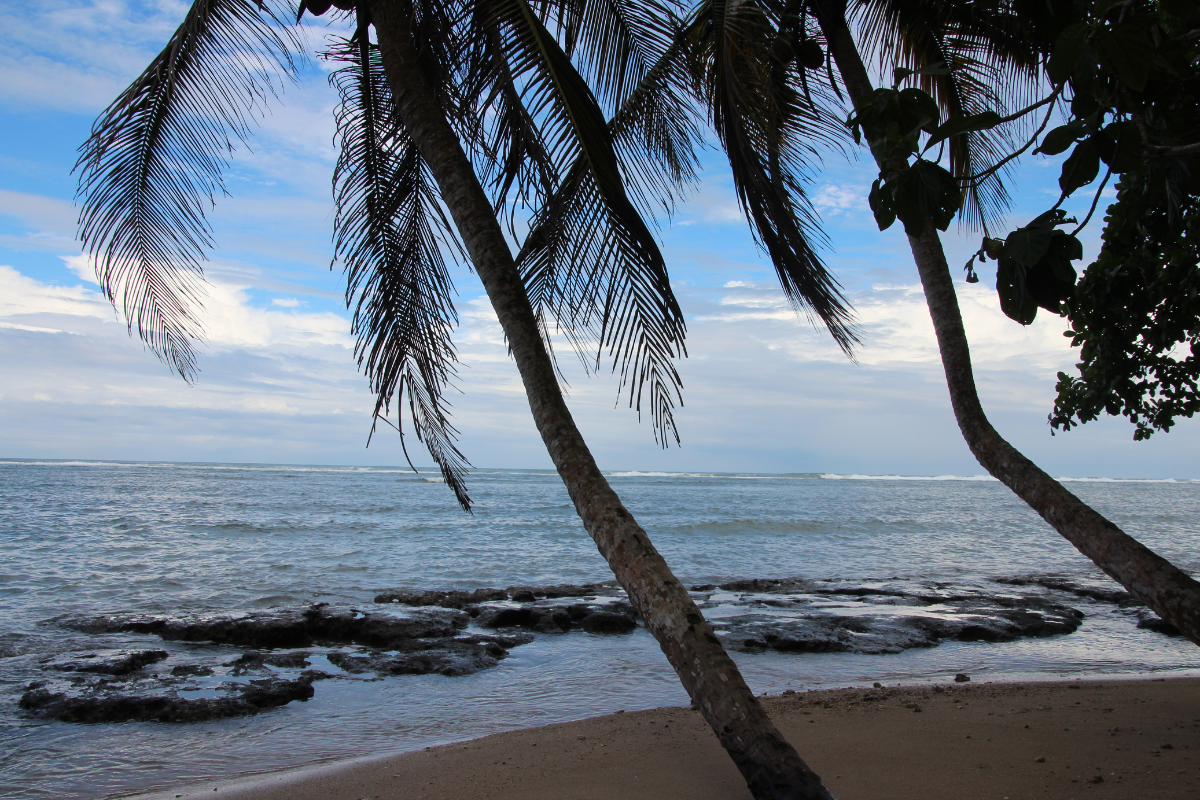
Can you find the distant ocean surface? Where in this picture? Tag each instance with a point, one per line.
(84, 539)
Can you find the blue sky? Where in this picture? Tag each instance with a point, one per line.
(764, 391)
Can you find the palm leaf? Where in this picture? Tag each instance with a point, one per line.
(390, 234)
(577, 273)
(771, 133)
(599, 226)
(153, 164)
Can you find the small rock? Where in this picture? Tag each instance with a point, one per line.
(877, 685)
(116, 662)
(962, 677)
(1096, 779)
(1041, 760)
(1158, 626)
(1166, 747)
(191, 670)
(607, 622)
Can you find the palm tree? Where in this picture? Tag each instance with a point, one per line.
(1154, 581)
(755, 67)
(477, 108)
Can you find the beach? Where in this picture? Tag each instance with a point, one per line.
(1134, 738)
(172, 625)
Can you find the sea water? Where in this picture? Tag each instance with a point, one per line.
(90, 538)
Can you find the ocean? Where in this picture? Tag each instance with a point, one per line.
(813, 581)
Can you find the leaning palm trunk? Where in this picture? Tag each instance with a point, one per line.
(1153, 580)
(771, 766)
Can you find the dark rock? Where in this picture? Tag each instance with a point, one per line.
(1107, 594)
(614, 617)
(759, 585)
(970, 621)
(1158, 625)
(285, 628)
(257, 662)
(453, 657)
(191, 670)
(244, 700)
(962, 677)
(702, 587)
(575, 590)
(115, 662)
(607, 622)
(505, 640)
(528, 594)
(457, 600)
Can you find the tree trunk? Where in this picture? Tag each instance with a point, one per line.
(771, 766)
(1170, 592)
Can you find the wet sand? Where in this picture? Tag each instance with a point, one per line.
(1061, 741)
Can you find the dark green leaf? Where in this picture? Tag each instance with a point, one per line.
(1070, 47)
(1121, 146)
(1084, 103)
(1081, 167)
(1015, 302)
(1026, 246)
(1058, 140)
(985, 120)
(1129, 52)
(880, 200)
(919, 110)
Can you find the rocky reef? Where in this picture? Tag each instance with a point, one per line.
(142, 685)
(213, 666)
(124, 706)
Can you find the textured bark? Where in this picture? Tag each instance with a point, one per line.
(771, 766)
(1167, 590)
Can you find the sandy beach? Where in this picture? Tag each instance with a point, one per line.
(1081, 739)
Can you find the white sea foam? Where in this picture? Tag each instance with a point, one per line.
(830, 476)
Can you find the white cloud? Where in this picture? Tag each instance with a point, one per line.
(714, 202)
(24, 299)
(832, 200)
(278, 382)
(82, 267)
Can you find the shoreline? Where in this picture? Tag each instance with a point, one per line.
(1107, 737)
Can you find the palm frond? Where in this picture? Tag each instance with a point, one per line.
(579, 266)
(614, 42)
(390, 234)
(771, 133)
(598, 225)
(153, 164)
(513, 157)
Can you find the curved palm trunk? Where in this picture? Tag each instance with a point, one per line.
(771, 766)
(1153, 580)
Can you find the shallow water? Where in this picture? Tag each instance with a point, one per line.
(90, 538)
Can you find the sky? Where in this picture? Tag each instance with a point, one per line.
(764, 391)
